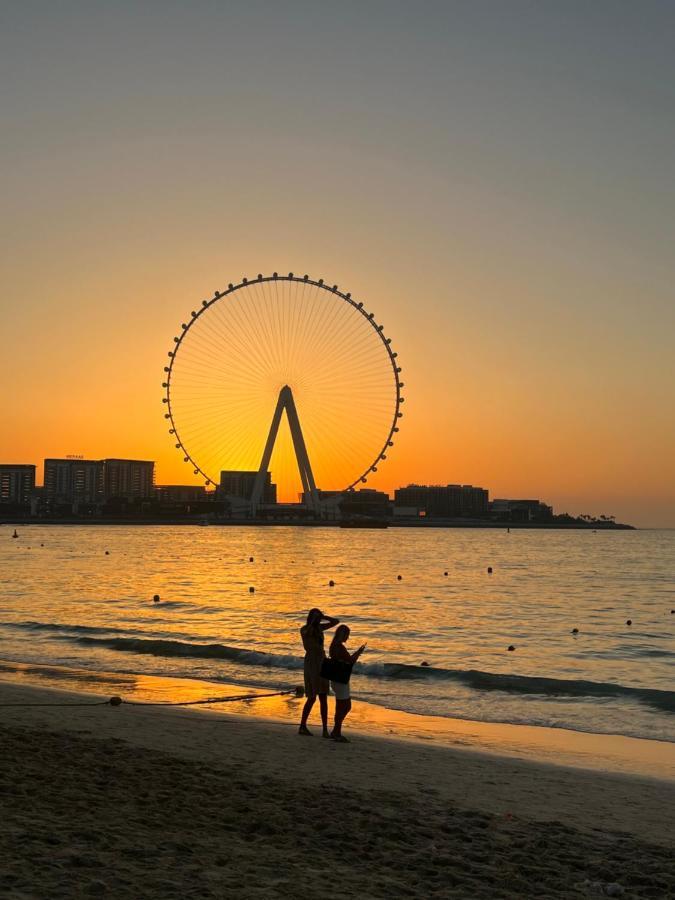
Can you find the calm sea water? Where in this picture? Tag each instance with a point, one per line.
(64, 602)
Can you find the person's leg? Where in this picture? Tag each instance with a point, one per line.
(342, 707)
(306, 710)
(323, 706)
(348, 706)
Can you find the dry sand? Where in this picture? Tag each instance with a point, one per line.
(135, 802)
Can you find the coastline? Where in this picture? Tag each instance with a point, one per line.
(592, 751)
(210, 803)
(322, 523)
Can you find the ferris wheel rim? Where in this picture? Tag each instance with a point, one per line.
(305, 279)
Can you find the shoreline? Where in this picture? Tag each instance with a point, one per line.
(299, 523)
(590, 751)
(147, 726)
(189, 804)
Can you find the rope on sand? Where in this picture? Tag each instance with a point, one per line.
(118, 701)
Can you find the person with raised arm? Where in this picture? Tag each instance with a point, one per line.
(339, 654)
(315, 684)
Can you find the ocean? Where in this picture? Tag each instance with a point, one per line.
(81, 597)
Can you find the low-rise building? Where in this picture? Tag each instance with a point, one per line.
(520, 511)
(171, 494)
(366, 502)
(443, 501)
(238, 484)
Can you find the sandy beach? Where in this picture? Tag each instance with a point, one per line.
(141, 802)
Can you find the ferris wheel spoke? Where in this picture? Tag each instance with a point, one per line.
(205, 347)
(213, 332)
(239, 336)
(263, 336)
(237, 329)
(273, 347)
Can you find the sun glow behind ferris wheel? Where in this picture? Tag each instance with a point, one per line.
(284, 344)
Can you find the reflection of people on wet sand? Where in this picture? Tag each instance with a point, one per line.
(315, 685)
(339, 653)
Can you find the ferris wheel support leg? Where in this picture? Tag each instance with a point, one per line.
(259, 483)
(306, 474)
(286, 402)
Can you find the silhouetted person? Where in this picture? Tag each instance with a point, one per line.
(315, 685)
(343, 703)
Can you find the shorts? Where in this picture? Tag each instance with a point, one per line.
(341, 691)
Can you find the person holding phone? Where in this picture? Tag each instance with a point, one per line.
(343, 703)
(315, 686)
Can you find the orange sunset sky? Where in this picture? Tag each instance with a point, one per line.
(497, 188)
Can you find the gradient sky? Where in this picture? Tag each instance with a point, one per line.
(494, 179)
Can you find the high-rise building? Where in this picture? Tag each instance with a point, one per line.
(128, 479)
(73, 480)
(17, 482)
(444, 501)
(240, 484)
(93, 481)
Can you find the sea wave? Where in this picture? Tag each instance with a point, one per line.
(187, 649)
(60, 628)
(473, 678)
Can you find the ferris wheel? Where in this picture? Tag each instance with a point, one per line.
(275, 344)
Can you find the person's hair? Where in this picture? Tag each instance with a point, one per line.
(313, 615)
(341, 635)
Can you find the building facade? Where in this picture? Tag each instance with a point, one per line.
(444, 501)
(367, 503)
(94, 481)
(239, 484)
(17, 483)
(169, 494)
(73, 480)
(520, 511)
(128, 479)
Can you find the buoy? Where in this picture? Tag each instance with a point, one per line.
(155, 599)
(15, 535)
(629, 621)
(42, 545)
(425, 663)
(115, 701)
(511, 648)
(251, 590)
(107, 552)
(331, 583)
(489, 570)
(399, 577)
(446, 574)
(250, 559)
(575, 631)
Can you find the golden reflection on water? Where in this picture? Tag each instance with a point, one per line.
(543, 584)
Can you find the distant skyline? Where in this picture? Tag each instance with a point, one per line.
(494, 180)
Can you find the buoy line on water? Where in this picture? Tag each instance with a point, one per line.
(118, 701)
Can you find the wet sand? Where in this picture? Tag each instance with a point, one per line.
(139, 802)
